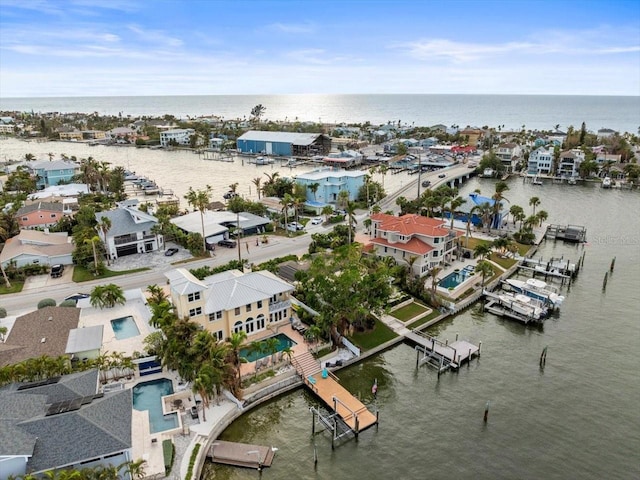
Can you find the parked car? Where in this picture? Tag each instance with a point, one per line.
(442, 175)
(77, 296)
(227, 243)
(57, 270)
(170, 251)
(296, 225)
(316, 220)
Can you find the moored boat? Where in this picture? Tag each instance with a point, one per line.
(538, 290)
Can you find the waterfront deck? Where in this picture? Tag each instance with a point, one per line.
(442, 355)
(241, 454)
(325, 385)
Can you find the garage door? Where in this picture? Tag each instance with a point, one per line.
(127, 250)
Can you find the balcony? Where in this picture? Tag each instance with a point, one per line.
(124, 239)
(275, 306)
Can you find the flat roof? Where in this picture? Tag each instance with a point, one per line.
(281, 137)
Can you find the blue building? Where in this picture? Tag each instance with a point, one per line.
(284, 143)
(475, 200)
(330, 184)
(49, 173)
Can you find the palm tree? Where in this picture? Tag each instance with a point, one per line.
(327, 210)
(482, 250)
(157, 295)
(233, 187)
(204, 385)
(343, 198)
(542, 216)
(199, 199)
(485, 268)
(107, 296)
(485, 214)
(314, 189)
(93, 241)
(256, 181)
(235, 341)
(104, 225)
(351, 220)
(271, 346)
(382, 169)
(433, 272)
(453, 207)
(469, 218)
(3, 332)
(286, 203)
(534, 202)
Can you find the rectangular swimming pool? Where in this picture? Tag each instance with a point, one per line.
(453, 280)
(148, 396)
(124, 327)
(252, 355)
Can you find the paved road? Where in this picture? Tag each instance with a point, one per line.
(60, 288)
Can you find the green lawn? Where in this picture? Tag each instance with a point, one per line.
(409, 311)
(81, 274)
(505, 263)
(372, 338)
(16, 286)
(424, 319)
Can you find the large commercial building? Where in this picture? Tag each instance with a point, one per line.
(284, 143)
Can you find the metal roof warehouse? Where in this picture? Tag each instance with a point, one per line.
(284, 143)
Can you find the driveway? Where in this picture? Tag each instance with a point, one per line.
(41, 281)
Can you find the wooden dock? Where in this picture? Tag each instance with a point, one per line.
(568, 233)
(441, 355)
(241, 454)
(325, 385)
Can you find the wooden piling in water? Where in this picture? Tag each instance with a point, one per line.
(604, 282)
(543, 357)
(486, 412)
(613, 264)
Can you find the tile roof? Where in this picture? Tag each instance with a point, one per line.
(34, 207)
(25, 339)
(411, 224)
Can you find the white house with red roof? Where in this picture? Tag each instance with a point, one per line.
(427, 239)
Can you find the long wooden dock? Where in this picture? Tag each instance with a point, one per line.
(241, 454)
(325, 385)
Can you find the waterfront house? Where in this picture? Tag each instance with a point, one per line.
(344, 159)
(509, 154)
(540, 161)
(569, 164)
(606, 133)
(40, 214)
(42, 248)
(284, 143)
(219, 224)
(331, 183)
(122, 135)
(426, 239)
(131, 232)
(471, 135)
(50, 173)
(231, 301)
(69, 134)
(180, 136)
(557, 138)
(62, 423)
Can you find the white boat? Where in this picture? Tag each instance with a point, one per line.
(488, 172)
(538, 290)
(572, 181)
(606, 182)
(536, 181)
(262, 161)
(522, 305)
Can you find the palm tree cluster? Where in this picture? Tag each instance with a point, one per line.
(195, 354)
(124, 471)
(107, 296)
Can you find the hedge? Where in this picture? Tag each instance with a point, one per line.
(168, 450)
(192, 461)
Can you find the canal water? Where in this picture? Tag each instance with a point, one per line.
(579, 417)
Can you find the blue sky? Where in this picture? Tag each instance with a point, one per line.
(209, 47)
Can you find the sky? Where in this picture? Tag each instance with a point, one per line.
(219, 47)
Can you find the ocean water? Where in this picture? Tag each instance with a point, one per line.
(513, 111)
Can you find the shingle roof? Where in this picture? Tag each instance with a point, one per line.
(282, 137)
(123, 221)
(15, 247)
(34, 207)
(25, 339)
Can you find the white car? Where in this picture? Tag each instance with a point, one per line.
(316, 220)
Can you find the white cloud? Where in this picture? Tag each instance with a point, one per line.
(155, 36)
(296, 28)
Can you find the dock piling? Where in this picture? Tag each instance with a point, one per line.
(604, 282)
(543, 356)
(613, 264)
(486, 412)
(479, 348)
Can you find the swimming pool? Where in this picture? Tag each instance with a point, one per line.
(453, 279)
(252, 356)
(148, 396)
(124, 327)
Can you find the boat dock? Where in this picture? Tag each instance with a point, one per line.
(355, 415)
(554, 267)
(241, 454)
(442, 355)
(495, 308)
(568, 233)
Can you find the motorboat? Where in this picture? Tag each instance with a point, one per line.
(606, 182)
(536, 181)
(521, 305)
(538, 290)
(572, 181)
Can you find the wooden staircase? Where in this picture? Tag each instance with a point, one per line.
(306, 364)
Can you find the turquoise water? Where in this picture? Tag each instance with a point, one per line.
(453, 280)
(124, 327)
(283, 342)
(147, 396)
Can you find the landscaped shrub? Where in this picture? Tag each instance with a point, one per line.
(68, 303)
(3, 312)
(168, 451)
(46, 302)
(192, 461)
